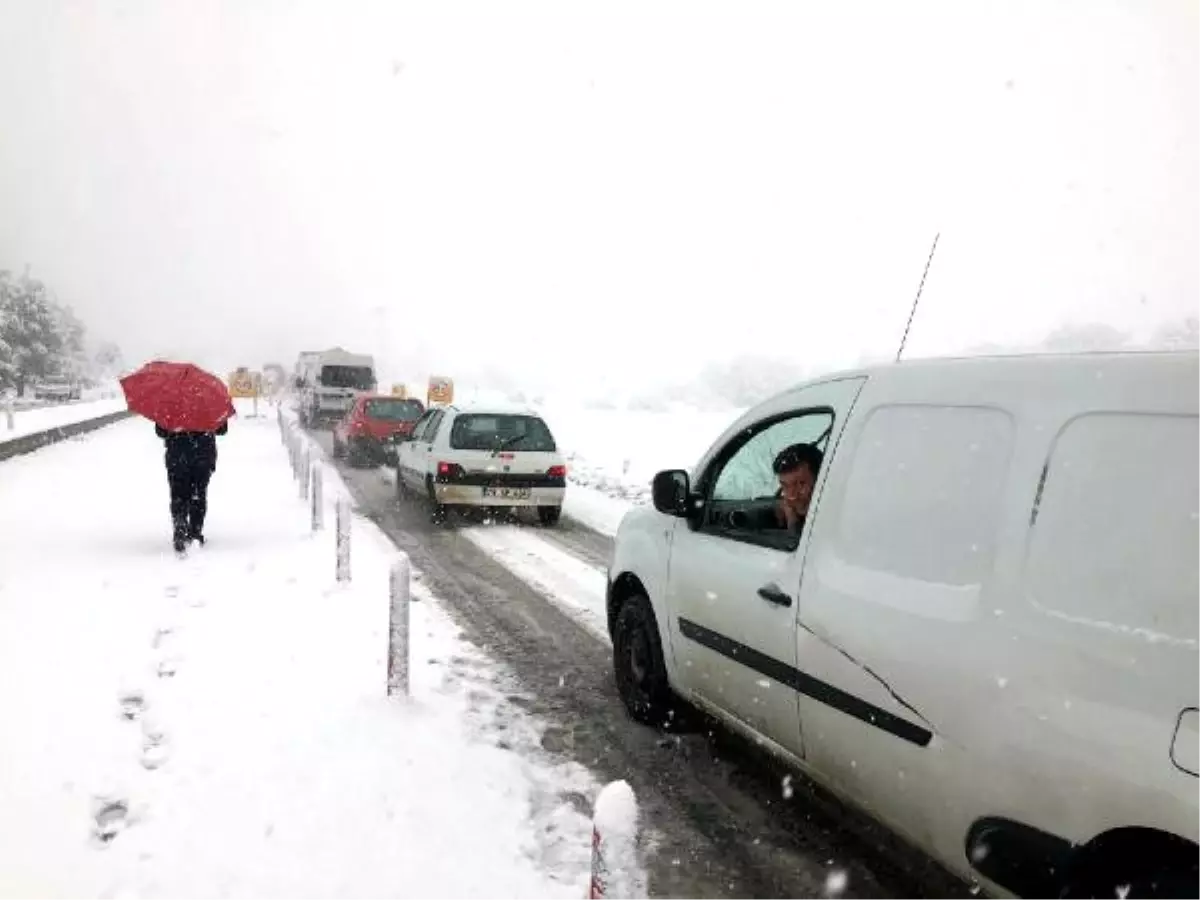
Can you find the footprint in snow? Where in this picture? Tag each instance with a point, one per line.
(110, 818)
(167, 667)
(133, 704)
(160, 635)
(154, 747)
(172, 591)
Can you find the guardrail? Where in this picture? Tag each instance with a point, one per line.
(27, 443)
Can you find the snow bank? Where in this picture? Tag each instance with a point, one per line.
(43, 418)
(218, 725)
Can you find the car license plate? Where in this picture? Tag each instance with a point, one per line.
(506, 493)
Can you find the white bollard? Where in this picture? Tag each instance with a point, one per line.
(8, 414)
(343, 539)
(398, 630)
(615, 868)
(254, 415)
(318, 499)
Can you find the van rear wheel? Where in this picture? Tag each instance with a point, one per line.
(549, 515)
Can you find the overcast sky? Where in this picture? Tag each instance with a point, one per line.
(577, 193)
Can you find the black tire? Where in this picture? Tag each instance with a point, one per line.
(1172, 874)
(549, 515)
(338, 450)
(437, 511)
(638, 665)
(354, 454)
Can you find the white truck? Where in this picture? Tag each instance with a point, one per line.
(329, 381)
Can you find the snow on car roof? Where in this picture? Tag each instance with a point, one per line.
(495, 409)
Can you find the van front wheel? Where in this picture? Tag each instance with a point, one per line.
(638, 665)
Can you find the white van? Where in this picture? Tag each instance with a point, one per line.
(985, 634)
(331, 381)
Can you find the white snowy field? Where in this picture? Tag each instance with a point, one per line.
(43, 418)
(223, 717)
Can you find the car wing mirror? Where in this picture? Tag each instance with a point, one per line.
(671, 490)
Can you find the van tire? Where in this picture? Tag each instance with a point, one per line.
(549, 515)
(638, 665)
(1169, 872)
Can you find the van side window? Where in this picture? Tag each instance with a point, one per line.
(925, 492)
(1115, 529)
(742, 501)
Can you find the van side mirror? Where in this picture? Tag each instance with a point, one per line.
(670, 490)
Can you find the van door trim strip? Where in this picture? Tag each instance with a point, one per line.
(806, 684)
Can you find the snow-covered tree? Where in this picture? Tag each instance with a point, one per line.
(1181, 335)
(107, 360)
(34, 331)
(1085, 337)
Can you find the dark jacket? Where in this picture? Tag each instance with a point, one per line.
(191, 449)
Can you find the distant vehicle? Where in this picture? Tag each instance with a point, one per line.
(304, 363)
(58, 389)
(985, 632)
(482, 457)
(370, 432)
(330, 383)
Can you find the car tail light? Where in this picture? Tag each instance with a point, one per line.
(448, 471)
(557, 471)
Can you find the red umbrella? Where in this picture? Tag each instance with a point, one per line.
(178, 396)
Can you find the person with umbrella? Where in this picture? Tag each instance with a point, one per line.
(191, 461)
(189, 408)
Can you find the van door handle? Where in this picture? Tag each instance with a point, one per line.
(773, 594)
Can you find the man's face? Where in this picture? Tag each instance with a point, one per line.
(797, 487)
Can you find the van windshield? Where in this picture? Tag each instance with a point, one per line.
(475, 431)
(359, 378)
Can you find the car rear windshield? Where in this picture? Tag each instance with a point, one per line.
(395, 410)
(359, 378)
(490, 431)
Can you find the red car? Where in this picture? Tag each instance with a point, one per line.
(371, 429)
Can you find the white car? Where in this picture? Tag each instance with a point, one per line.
(482, 457)
(985, 633)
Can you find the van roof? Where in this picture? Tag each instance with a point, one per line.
(997, 363)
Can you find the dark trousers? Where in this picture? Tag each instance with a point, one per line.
(189, 498)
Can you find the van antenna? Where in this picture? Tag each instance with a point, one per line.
(917, 299)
